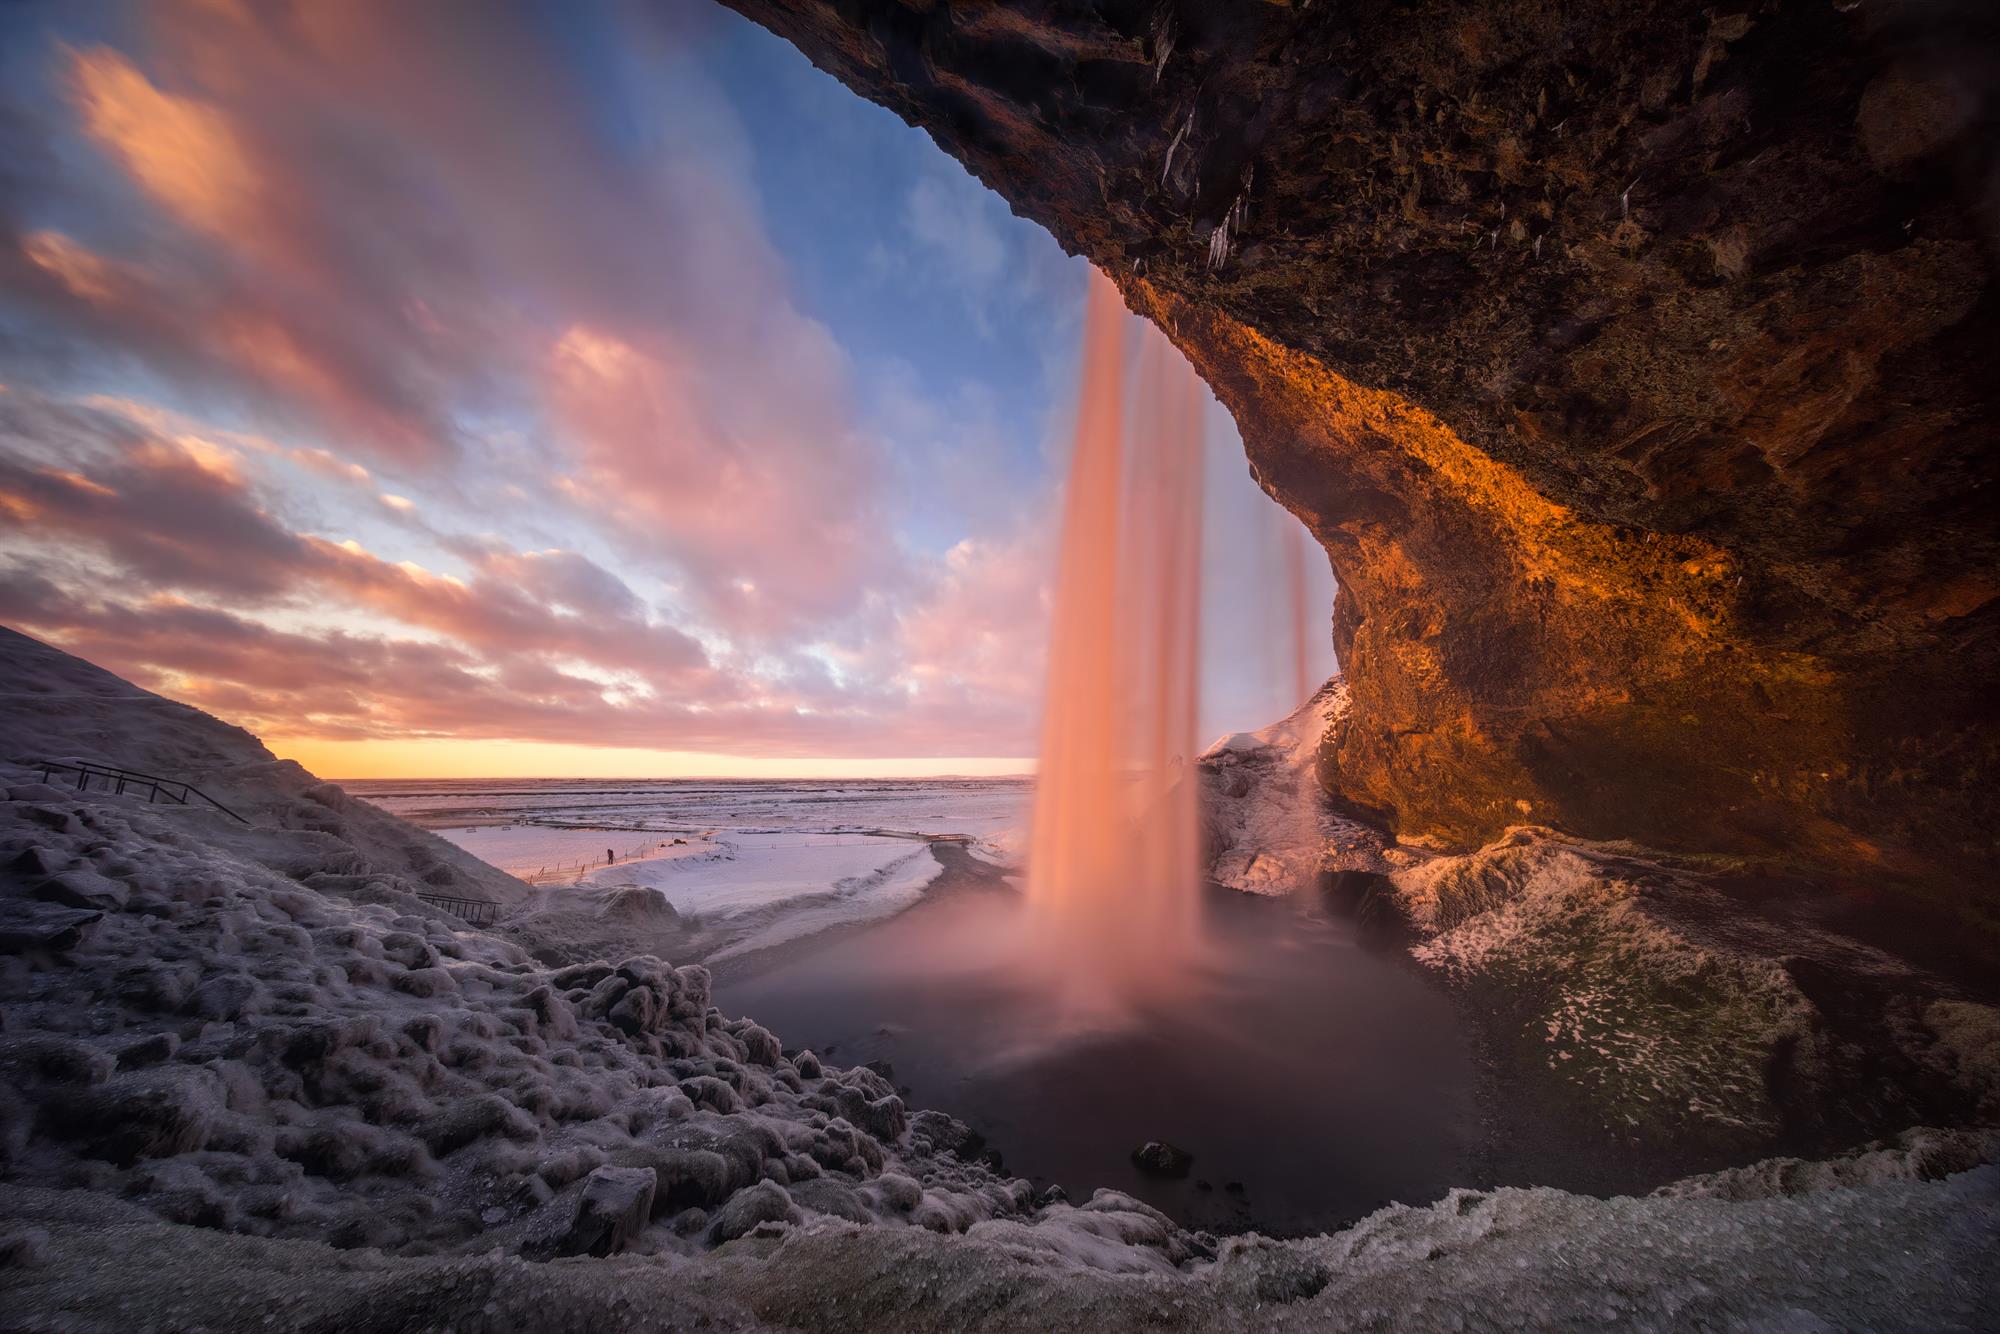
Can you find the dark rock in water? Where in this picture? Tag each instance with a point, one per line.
(1233, 1187)
(1160, 1159)
(1204, 1185)
(616, 1203)
(1053, 1195)
(26, 925)
(948, 1134)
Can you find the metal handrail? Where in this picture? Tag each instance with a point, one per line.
(473, 912)
(117, 781)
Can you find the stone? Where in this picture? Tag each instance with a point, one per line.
(145, 1114)
(614, 1207)
(765, 1202)
(82, 888)
(27, 926)
(228, 997)
(1161, 1159)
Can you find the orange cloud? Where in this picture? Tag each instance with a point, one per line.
(87, 276)
(182, 151)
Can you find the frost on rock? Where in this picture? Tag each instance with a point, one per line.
(1659, 1036)
(1269, 828)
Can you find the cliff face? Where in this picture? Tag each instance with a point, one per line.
(1633, 363)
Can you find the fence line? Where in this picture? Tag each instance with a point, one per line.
(554, 874)
(562, 871)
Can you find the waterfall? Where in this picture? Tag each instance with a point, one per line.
(1114, 873)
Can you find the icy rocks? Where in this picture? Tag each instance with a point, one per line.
(616, 1204)
(148, 1114)
(226, 997)
(23, 1247)
(1161, 1159)
(474, 1118)
(41, 1057)
(865, 1099)
(82, 888)
(765, 1202)
(316, 1058)
(27, 926)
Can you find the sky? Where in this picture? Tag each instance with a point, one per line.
(544, 389)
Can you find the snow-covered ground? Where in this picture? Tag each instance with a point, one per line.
(784, 887)
(525, 824)
(744, 865)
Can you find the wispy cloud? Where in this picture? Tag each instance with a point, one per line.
(387, 371)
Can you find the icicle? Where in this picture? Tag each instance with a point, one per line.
(1180, 137)
(1238, 214)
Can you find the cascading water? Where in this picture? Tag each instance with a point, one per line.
(1293, 538)
(1114, 855)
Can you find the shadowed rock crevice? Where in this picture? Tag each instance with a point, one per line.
(1631, 363)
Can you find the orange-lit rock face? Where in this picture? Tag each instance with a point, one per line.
(1632, 362)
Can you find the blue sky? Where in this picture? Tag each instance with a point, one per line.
(578, 388)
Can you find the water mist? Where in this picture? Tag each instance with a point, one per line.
(1114, 872)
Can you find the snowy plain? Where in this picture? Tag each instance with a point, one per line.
(753, 863)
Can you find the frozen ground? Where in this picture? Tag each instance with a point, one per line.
(530, 823)
(767, 892)
(741, 866)
(248, 1080)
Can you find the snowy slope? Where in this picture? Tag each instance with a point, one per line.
(57, 707)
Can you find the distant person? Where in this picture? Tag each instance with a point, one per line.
(609, 857)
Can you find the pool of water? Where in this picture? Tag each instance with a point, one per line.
(1313, 1078)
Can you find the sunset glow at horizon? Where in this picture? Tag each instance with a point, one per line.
(444, 758)
(689, 416)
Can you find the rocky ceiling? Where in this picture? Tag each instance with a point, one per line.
(1635, 364)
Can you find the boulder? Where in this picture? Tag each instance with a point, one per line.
(1161, 1159)
(144, 1114)
(765, 1202)
(614, 1207)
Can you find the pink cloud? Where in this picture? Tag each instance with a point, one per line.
(390, 239)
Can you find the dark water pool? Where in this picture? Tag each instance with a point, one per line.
(1313, 1079)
